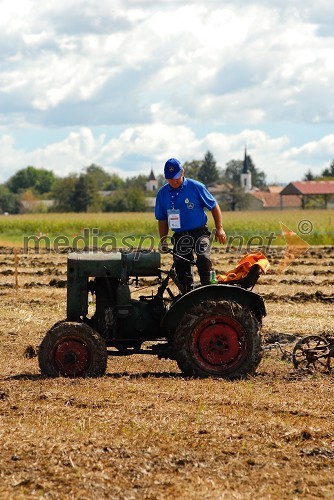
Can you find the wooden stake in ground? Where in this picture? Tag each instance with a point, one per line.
(16, 259)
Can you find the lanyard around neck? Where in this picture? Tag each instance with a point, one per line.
(174, 195)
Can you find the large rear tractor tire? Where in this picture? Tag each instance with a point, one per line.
(218, 339)
(72, 349)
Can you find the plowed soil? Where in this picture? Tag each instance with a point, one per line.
(144, 431)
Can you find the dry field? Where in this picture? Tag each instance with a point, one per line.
(144, 431)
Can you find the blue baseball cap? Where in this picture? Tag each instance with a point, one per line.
(173, 169)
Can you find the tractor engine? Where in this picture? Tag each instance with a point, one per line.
(122, 321)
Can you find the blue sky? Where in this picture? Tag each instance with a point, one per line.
(127, 84)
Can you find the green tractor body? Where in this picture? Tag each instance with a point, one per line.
(212, 330)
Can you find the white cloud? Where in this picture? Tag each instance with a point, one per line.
(199, 51)
(324, 148)
(138, 149)
(170, 77)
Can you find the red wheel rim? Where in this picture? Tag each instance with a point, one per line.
(218, 344)
(71, 357)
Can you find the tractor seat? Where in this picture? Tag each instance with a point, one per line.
(248, 281)
(247, 272)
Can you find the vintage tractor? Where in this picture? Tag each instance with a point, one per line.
(212, 330)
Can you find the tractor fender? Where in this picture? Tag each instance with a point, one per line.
(214, 292)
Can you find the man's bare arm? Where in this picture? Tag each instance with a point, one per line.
(217, 217)
(163, 229)
(163, 232)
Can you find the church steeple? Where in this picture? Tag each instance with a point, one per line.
(246, 175)
(245, 168)
(151, 177)
(152, 182)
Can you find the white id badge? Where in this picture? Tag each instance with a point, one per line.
(174, 220)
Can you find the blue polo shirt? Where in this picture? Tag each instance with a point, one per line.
(190, 198)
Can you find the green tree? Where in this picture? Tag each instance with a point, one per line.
(208, 172)
(328, 172)
(191, 169)
(138, 182)
(8, 201)
(116, 202)
(38, 179)
(258, 177)
(136, 200)
(161, 180)
(63, 193)
(125, 200)
(100, 176)
(114, 182)
(308, 176)
(86, 197)
(233, 171)
(235, 199)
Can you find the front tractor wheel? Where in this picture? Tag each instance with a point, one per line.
(219, 339)
(72, 350)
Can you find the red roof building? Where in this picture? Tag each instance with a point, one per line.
(305, 189)
(262, 200)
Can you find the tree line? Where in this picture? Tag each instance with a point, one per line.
(327, 173)
(92, 190)
(95, 190)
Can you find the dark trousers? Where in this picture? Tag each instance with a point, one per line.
(185, 245)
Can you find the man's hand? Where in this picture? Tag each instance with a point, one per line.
(220, 235)
(217, 217)
(163, 245)
(164, 248)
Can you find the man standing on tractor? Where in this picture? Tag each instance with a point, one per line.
(180, 207)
